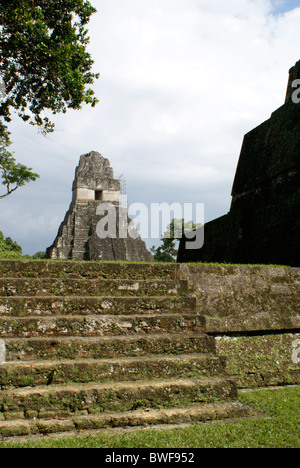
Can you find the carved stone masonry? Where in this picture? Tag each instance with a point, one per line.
(77, 238)
(263, 225)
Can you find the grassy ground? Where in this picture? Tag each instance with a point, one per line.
(282, 430)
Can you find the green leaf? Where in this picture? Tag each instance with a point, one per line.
(12, 174)
(44, 62)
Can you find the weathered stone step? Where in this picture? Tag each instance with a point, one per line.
(31, 349)
(105, 325)
(90, 287)
(60, 400)
(137, 418)
(44, 306)
(37, 373)
(65, 269)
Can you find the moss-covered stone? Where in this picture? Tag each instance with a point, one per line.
(86, 270)
(99, 325)
(49, 306)
(120, 342)
(32, 349)
(119, 396)
(256, 361)
(10, 287)
(245, 299)
(123, 369)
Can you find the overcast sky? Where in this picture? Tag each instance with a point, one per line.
(181, 83)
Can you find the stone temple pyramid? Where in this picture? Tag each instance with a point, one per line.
(78, 239)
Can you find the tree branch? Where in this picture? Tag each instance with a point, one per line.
(9, 191)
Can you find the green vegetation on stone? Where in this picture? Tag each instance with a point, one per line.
(280, 428)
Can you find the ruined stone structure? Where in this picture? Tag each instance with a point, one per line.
(77, 237)
(104, 345)
(263, 225)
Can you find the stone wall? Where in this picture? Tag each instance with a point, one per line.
(263, 225)
(254, 314)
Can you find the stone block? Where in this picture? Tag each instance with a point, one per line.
(77, 238)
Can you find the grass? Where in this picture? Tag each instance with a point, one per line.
(281, 430)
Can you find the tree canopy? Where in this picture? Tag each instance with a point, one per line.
(44, 67)
(167, 252)
(9, 249)
(13, 174)
(44, 62)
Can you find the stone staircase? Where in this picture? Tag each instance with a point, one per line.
(90, 346)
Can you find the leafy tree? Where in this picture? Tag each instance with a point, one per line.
(12, 245)
(39, 256)
(9, 249)
(13, 174)
(9, 244)
(44, 63)
(167, 252)
(44, 66)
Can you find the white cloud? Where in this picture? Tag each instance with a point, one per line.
(181, 83)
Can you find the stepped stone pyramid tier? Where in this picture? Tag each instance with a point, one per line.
(263, 224)
(103, 345)
(77, 237)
